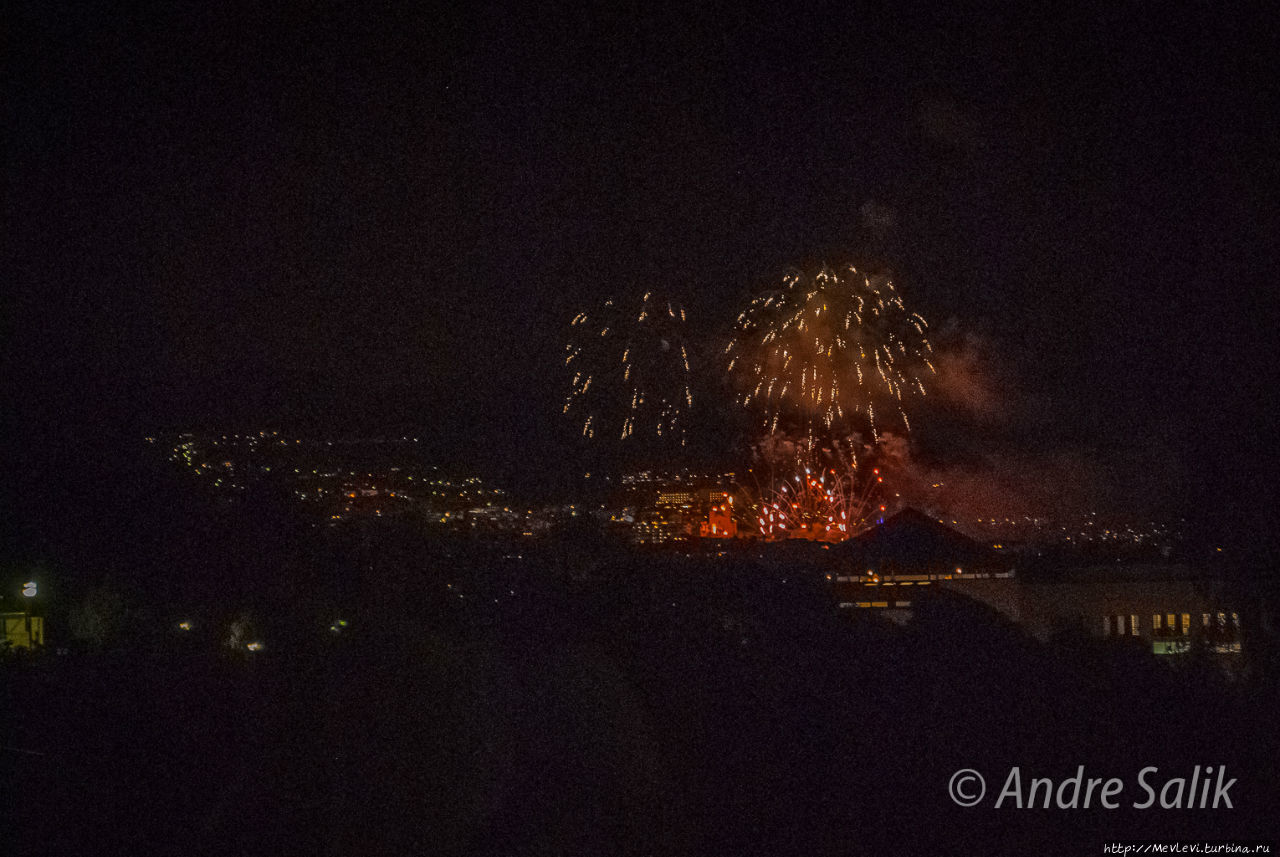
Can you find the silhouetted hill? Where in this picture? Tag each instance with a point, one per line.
(911, 540)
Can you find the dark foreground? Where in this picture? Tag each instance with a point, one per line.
(655, 709)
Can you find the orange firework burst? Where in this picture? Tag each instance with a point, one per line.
(629, 370)
(816, 493)
(838, 351)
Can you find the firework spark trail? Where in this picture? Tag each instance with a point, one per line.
(830, 504)
(630, 370)
(833, 348)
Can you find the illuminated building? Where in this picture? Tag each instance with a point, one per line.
(720, 523)
(22, 631)
(1169, 608)
(662, 523)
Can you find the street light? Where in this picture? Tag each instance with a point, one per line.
(29, 589)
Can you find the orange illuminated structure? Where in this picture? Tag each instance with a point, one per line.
(720, 523)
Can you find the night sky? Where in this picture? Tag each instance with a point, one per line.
(231, 216)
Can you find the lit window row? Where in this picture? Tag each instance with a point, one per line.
(1166, 624)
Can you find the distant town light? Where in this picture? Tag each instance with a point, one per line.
(255, 646)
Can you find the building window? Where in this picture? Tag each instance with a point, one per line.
(1170, 622)
(1133, 624)
(1106, 626)
(1186, 624)
(1204, 620)
(1155, 623)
